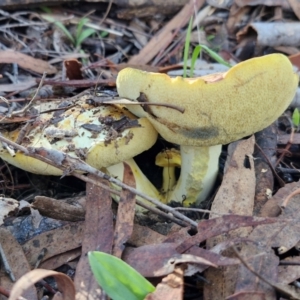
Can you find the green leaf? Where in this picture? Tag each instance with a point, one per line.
(62, 27)
(211, 53)
(195, 55)
(215, 56)
(84, 34)
(296, 117)
(119, 280)
(103, 34)
(187, 47)
(80, 25)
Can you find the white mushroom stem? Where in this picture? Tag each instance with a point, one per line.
(141, 181)
(199, 169)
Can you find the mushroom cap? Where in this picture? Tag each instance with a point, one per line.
(100, 135)
(168, 158)
(219, 108)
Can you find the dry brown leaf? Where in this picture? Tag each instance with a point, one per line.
(125, 215)
(55, 241)
(289, 273)
(26, 62)
(295, 7)
(58, 209)
(98, 236)
(247, 296)
(19, 86)
(164, 37)
(64, 283)
(282, 235)
(236, 195)
(159, 260)
(221, 225)
(17, 262)
(73, 69)
(285, 138)
(264, 263)
(171, 287)
(265, 155)
(142, 235)
(58, 260)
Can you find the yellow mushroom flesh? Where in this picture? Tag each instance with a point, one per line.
(218, 109)
(169, 160)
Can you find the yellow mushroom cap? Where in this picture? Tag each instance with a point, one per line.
(219, 108)
(168, 158)
(100, 135)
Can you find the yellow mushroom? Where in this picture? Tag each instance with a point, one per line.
(218, 109)
(103, 136)
(168, 159)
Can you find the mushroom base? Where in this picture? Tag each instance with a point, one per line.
(199, 169)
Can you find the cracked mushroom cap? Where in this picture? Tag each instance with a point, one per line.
(100, 135)
(219, 108)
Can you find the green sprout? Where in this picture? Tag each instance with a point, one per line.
(118, 279)
(296, 117)
(80, 35)
(197, 51)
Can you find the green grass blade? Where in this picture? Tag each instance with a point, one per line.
(84, 34)
(119, 280)
(195, 55)
(80, 25)
(296, 117)
(211, 53)
(62, 27)
(187, 47)
(215, 56)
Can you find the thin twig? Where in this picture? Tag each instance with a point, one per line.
(27, 106)
(139, 202)
(106, 13)
(70, 165)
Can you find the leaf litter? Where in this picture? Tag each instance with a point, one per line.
(249, 245)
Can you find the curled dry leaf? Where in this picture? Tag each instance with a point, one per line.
(159, 260)
(171, 287)
(125, 216)
(26, 62)
(64, 283)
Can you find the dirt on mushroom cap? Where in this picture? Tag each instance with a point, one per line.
(244, 100)
(82, 131)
